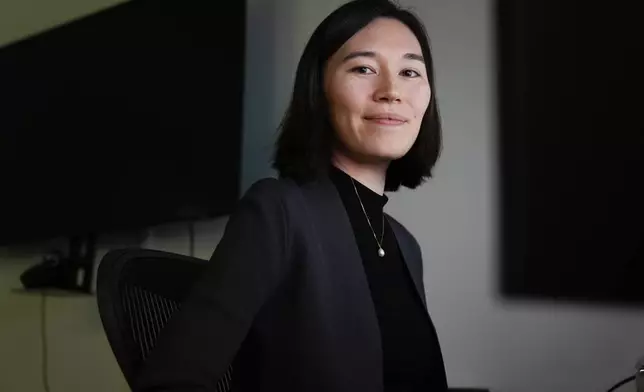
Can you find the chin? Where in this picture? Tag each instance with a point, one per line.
(392, 152)
(387, 155)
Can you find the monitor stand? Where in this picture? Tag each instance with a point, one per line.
(71, 271)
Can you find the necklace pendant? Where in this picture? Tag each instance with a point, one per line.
(381, 252)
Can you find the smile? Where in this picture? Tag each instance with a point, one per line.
(386, 119)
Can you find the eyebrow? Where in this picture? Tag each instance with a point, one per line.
(352, 55)
(414, 56)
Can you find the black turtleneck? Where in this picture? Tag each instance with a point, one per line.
(411, 353)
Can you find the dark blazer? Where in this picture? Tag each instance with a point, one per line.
(284, 299)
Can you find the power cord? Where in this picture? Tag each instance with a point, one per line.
(622, 383)
(43, 340)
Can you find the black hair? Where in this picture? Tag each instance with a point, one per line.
(305, 144)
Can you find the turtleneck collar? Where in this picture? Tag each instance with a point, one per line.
(372, 201)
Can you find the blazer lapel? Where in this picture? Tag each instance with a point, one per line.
(342, 265)
(338, 241)
(348, 288)
(411, 255)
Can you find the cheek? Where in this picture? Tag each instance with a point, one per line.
(348, 98)
(420, 102)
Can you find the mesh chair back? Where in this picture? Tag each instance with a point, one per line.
(138, 290)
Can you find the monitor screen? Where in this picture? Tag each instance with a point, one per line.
(124, 119)
(571, 151)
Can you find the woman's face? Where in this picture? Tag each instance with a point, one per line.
(377, 88)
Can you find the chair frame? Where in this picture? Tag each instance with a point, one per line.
(111, 278)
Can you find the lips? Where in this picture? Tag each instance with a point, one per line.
(386, 118)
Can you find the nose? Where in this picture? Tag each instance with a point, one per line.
(387, 90)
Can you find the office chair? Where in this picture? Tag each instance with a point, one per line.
(137, 291)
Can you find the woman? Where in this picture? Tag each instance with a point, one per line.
(313, 287)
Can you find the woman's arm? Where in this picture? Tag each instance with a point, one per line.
(202, 338)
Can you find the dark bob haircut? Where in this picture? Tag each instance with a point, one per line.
(305, 144)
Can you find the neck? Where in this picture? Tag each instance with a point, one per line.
(371, 175)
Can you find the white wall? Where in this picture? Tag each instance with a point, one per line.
(509, 347)
(22, 18)
(78, 355)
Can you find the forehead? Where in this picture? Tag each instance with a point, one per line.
(383, 34)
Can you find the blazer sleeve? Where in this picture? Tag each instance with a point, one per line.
(200, 341)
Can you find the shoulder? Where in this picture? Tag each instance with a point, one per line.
(268, 186)
(271, 197)
(261, 213)
(270, 205)
(269, 190)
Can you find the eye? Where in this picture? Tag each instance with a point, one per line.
(363, 70)
(410, 73)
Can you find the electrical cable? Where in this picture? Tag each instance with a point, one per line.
(622, 383)
(43, 340)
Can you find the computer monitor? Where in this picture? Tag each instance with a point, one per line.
(124, 119)
(571, 151)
